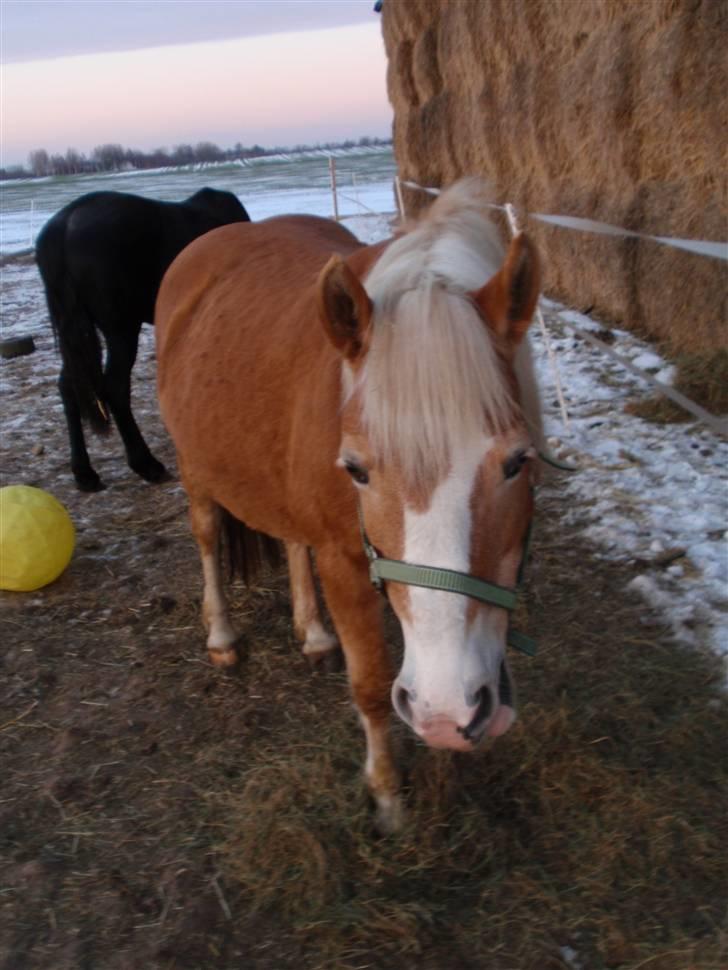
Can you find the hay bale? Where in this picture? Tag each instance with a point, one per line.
(606, 109)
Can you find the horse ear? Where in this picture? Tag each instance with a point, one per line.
(508, 300)
(344, 307)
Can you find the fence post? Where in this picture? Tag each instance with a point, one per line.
(332, 173)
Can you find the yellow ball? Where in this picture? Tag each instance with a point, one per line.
(36, 538)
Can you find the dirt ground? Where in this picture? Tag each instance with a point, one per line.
(155, 813)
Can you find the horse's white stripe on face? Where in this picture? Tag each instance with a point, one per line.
(445, 662)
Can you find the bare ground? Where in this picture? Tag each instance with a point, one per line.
(155, 813)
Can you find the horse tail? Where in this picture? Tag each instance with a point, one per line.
(74, 331)
(247, 550)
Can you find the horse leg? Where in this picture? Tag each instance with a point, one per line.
(86, 478)
(356, 609)
(317, 642)
(205, 519)
(120, 358)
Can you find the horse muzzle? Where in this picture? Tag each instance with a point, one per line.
(490, 716)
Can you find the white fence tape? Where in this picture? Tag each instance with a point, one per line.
(703, 247)
(719, 425)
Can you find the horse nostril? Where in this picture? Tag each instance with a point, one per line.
(402, 704)
(483, 710)
(505, 686)
(485, 704)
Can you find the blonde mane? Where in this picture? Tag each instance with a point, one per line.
(432, 378)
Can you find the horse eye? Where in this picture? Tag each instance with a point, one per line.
(513, 465)
(360, 475)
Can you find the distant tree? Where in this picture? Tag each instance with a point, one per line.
(113, 157)
(158, 158)
(58, 165)
(14, 172)
(183, 155)
(109, 157)
(133, 158)
(207, 151)
(39, 162)
(75, 162)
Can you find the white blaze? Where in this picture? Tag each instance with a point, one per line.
(446, 662)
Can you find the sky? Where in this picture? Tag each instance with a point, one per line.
(156, 73)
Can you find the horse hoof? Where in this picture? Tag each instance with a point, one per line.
(154, 472)
(319, 643)
(389, 817)
(225, 657)
(89, 483)
(328, 661)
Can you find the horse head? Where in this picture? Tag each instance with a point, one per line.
(437, 447)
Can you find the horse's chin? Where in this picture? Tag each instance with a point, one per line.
(441, 732)
(501, 721)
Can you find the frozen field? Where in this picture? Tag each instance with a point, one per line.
(266, 187)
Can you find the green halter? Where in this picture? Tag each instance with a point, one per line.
(383, 570)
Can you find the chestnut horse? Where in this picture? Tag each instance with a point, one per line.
(366, 402)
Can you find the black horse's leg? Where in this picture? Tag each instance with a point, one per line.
(121, 351)
(86, 478)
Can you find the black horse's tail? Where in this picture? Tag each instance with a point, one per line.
(247, 550)
(75, 332)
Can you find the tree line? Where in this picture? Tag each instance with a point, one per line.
(116, 158)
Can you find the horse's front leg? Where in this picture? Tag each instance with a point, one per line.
(317, 642)
(206, 518)
(356, 610)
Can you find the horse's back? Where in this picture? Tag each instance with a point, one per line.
(242, 248)
(107, 252)
(114, 247)
(244, 269)
(240, 358)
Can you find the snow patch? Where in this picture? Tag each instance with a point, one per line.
(642, 489)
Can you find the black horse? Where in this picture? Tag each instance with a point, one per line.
(102, 259)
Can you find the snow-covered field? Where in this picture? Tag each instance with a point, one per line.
(266, 186)
(653, 495)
